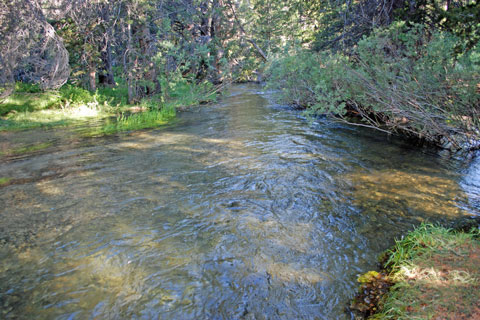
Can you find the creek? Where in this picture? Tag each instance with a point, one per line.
(242, 209)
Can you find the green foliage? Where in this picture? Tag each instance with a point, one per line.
(26, 110)
(464, 22)
(185, 93)
(402, 78)
(4, 181)
(142, 120)
(70, 104)
(75, 95)
(309, 80)
(112, 96)
(23, 87)
(461, 18)
(28, 102)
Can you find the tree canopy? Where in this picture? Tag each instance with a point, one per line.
(147, 43)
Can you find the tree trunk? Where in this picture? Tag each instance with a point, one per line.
(92, 79)
(106, 77)
(145, 43)
(128, 65)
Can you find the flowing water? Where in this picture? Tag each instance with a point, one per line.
(239, 210)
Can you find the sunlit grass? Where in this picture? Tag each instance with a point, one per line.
(26, 149)
(51, 117)
(30, 108)
(436, 272)
(28, 102)
(424, 241)
(4, 181)
(142, 120)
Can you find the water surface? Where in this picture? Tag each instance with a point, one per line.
(239, 210)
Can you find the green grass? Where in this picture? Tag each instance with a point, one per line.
(188, 94)
(29, 107)
(26, 149)
(29, 102)
(4, 181)
(51, 118)
(423, 241)
(436, 273)
(142, 120)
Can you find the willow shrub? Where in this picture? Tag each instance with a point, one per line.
(309, 80)
(397, 79)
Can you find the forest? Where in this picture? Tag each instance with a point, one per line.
(239, 159)
(407, 67)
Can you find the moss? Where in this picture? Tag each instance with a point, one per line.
(368, 276)
(373, 287)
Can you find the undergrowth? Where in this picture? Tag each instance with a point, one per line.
(30, 107)
(403, 78)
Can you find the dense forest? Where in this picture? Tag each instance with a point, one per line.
(410, 67)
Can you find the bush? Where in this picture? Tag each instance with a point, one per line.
(309, 80)
(23, 87)
(116, 96)
(185, 92)
(75, 95)
(398, 79)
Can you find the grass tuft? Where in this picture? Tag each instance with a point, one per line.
(142, 120)
(4, 181)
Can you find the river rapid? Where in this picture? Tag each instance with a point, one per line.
(242, 209)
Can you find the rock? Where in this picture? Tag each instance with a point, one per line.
(374, 285)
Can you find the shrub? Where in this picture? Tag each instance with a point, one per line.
(76, 95)
(115, 96)
(398, 79)
(309, 80)
(27, 87)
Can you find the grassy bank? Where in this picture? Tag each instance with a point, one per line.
(433, 273)
(29, 107)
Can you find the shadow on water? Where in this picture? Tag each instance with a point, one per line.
(237, 211)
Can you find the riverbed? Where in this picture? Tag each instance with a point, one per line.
(243, 209)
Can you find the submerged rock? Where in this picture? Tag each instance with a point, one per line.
(373, 287)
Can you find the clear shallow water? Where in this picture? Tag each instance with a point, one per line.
(240, 210)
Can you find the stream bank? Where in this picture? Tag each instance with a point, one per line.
(239, 209)
(431, 273)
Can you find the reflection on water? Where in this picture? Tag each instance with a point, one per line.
(237, 211)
